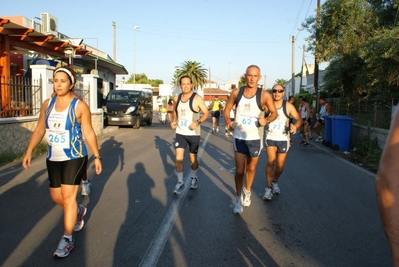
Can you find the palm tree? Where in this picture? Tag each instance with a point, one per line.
(242, 82)
(280, 81)
(194, 70)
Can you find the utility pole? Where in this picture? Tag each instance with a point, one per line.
(303, 62)
(316, 66)
(114, 25)
(209, 84)
(293, 66)
(265, 83)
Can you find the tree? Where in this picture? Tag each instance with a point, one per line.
(357, 37)
(194, 70)
(280, 81)
(242, 82)
(141, 78)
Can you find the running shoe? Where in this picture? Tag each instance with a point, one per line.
(303, 142)
(306, 144)
(319, 139)
(194, 183)
(268, 194)
(238, 206)
(64, 247)
(79, 220)
(217, 130)
(275, 188)
(247, 197)
(86, 187)
(178, 188)
(226, 135)
(231, 133)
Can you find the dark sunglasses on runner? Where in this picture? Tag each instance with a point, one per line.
(277, 91)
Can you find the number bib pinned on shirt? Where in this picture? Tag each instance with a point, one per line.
(58, 138)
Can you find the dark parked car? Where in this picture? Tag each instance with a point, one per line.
(128, 107)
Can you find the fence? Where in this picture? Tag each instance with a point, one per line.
(23, 97)
(83, 92)
(375, 112)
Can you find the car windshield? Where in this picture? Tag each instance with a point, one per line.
(123, 96)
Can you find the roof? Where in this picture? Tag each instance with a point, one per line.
(215, 91)
(23, 40)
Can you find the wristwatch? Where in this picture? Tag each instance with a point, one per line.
(98, 157)
(199, 121)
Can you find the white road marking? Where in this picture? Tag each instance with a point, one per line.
(155, 249)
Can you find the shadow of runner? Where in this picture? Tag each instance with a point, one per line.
(165, 151)
(30, 216)
(133, 237)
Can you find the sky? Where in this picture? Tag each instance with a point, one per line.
(224, 36)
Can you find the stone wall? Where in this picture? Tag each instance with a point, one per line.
(15, 133)
(359, 131)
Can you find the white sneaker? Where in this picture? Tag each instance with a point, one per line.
(217, 130)
(178, 188)
(247, 197)
(238, 206)
(86, 187)
(194, 183)
(64, 247)
(275, 188)
(268, 194)
(231, 133)
(319, 139)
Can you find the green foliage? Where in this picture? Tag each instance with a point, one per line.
(280, 81)
(242, 82)
(6, 158)
(194, 70)
(369, 149)
(141, 78)
(359, 40)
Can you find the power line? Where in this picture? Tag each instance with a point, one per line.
(297, 17)
(208, 39)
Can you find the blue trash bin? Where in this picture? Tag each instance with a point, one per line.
(327, 131)
(341, 132)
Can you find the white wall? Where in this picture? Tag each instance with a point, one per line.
(288, 86)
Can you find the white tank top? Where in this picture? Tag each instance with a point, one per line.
(246, 120)
(277, 130)
(185, 116)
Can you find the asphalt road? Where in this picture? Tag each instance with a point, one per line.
(326, 214)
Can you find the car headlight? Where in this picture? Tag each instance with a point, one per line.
(130, 110)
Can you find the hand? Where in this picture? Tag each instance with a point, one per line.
(98, 166)
(262, 120)
(173, 125)
(231, 126)
(193, 125)
(26, 162)
(293, 128)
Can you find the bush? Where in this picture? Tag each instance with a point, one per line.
(369, 149)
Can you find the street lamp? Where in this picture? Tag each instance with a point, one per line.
(134, 56)
(69, 53)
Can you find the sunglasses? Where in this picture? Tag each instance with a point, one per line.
(277, 91)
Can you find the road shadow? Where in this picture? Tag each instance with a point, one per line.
(135, 234)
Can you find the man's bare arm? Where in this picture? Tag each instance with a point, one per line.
(387, 186)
